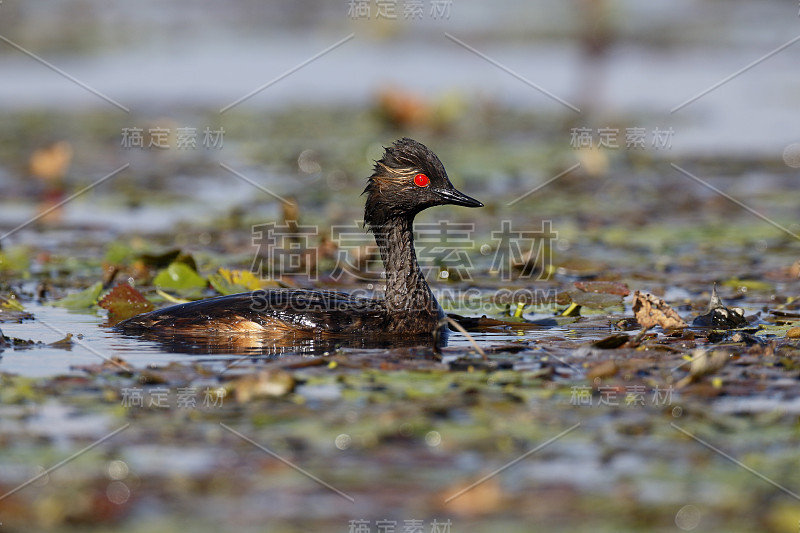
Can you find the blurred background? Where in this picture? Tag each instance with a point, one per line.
(660, 139)
(499, 91)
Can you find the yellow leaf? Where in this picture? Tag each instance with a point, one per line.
(228, 281)
(246, 279)
(172, 299)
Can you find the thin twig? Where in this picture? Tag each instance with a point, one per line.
(449, 321)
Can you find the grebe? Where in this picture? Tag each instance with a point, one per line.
(406, 180)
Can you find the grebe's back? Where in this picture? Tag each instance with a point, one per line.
(275, 311)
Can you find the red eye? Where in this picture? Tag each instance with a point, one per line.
(421, 180)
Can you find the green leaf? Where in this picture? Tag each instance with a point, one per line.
(180, 277)
(84, 299)
(595, 300)
(15, 259)
(118, 253)
(747, 284)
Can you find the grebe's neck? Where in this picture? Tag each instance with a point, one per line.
(407, 292)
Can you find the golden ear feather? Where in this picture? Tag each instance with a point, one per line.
(393, 177)
(396, 172)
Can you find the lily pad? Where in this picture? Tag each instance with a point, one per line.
(14, 260)
(162, 260)
(180, 277)
(118, 253)
(747, 284)
(595, 300)
(605, 287)
(85, 299)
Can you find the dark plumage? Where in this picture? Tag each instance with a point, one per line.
(407, 179)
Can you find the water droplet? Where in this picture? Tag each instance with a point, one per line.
(308, 162)
(343, 441)
(791, 155)
(688, 517)
(117, 470)
(433, 438)
(118, 492)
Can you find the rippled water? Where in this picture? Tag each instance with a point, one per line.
(95, 343)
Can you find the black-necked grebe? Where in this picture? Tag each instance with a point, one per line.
(406, 180)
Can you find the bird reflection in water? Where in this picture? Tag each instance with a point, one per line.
(270, 346)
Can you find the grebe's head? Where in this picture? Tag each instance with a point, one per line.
(407, 179)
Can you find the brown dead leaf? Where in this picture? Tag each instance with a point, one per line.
(794, 270)
(402, 108)
(51, 162)
(485, 498)
(651, 311)
(605, 369)
(124, 302)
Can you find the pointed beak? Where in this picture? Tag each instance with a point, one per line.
(456, 197)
